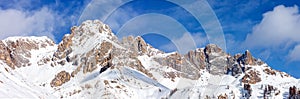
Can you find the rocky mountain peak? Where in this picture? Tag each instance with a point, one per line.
(88, 32)
(141, 44)
(249, 60)
(92, 27)
(212, 48)
(215, 59)
(87, 46)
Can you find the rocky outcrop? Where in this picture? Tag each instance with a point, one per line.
(216, 59)
(251, 77)
(197, 57)
(217, 62)
(223, 96)
(136, 45)
(213, 59)
(76, 70)
(180, 63)
(5, 55)
(61, 78)
(249, 60)
(212, 48)
(246, 59)
(141, 45)
(16, 51)
(269, 71)
(97, 57)
(63, 48)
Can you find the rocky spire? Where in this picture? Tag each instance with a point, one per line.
(249, 60)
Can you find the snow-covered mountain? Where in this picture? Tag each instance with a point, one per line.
(91, 62)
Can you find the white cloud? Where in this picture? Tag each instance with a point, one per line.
(278, 31)
(294, 55)
(277, 27)
(24, 23)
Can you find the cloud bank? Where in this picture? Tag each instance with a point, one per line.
(278, 30)
(24, 23)
(38, 18)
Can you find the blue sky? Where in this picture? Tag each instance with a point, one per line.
(270, 29)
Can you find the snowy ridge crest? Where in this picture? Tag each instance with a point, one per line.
(91, 62)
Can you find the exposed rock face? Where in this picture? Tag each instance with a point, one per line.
(246, 59)
(180, 63)
(16, 51)
(234, 68)
(104, 49)
(269, 71)
(216, 59)
(217, 62)
(61, 78)
(5, 55)
(251, 77)
(141, 45)
(223, 96)
(212, 48)
(76, 70)
(249, 60)
(197, 57)
(211, 58)
(97, 57)
(64, 47)
(136, 45)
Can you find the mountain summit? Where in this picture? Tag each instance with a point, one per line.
(91, 62)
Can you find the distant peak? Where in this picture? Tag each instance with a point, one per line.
(248, 53)
(91, 28)
(212, 48)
